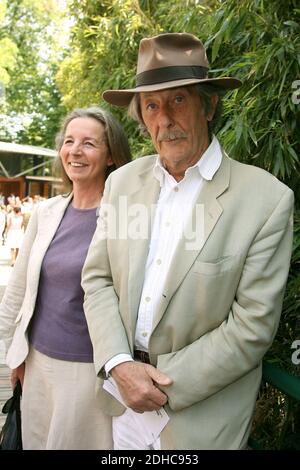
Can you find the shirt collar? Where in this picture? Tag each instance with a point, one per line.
(207, 165)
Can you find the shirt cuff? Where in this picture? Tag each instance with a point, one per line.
(118, 359)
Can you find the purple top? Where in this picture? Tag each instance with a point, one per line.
(59, 328)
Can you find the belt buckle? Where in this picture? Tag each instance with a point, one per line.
(142, 356)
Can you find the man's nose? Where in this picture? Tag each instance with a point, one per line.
(166, 117)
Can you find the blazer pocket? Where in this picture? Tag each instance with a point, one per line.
(216, 267)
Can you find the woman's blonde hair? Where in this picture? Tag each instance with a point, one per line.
(116, 140)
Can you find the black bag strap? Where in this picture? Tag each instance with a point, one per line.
(17, 396)
(14, 401)
(11, 434)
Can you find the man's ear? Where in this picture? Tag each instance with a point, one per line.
(214, 101)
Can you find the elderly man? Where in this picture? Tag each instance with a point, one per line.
(181, 315)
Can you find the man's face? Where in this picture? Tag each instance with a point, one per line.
(177, 124)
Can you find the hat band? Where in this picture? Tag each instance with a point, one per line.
(168, 74)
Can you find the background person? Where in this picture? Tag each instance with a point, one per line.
(41, 315)
(2, 223)
(14, 232)
(187, 319)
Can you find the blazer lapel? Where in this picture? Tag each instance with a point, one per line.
(49, 220)
(206, 212)
(142, 203)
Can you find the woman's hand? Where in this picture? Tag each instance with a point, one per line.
(17, 374)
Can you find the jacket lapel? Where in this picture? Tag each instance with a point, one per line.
(52, 216)
(48, 222)
(205, 214)
(141, 203)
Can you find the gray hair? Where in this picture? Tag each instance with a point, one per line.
(116, 140)
(205, 92)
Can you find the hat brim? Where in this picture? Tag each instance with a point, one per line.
(123, 97)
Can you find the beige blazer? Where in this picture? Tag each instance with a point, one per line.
(18, 303)
(221, 303)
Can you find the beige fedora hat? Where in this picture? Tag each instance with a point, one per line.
(169, 60)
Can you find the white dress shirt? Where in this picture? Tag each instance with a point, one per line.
(174, 207)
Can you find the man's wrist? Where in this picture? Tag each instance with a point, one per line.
(116, 360)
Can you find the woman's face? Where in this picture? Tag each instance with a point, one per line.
(84, 154)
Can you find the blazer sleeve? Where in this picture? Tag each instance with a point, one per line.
(106, 331)
(16, 288)
(238, 344)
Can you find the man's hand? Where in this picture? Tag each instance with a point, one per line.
(138, 384)
(17, 374)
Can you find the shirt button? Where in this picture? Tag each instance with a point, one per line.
(144, 334)
(147, 299)
(158, 261)
(176, 189)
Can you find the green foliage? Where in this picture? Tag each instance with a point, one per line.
(8, 51)
(262, 47)
(32, 105)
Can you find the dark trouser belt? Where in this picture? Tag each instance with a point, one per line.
(141, 356)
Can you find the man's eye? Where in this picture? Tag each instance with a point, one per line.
(151, 106)
(89, 144)
(68, 141)
(179, 99)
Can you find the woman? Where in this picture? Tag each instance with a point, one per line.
(14, 232)
(41, 315)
